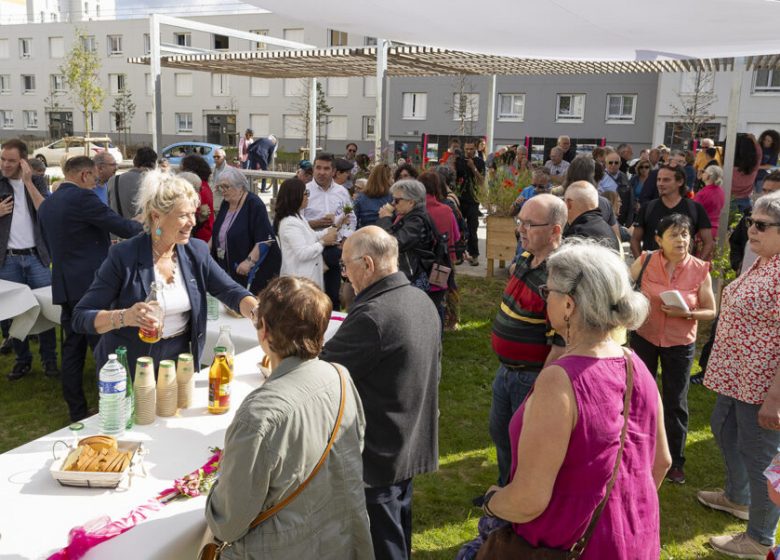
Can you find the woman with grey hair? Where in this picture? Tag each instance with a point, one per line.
(711, 195)
(743, 371)
(567, 433)
(406, 219)
(243, 242)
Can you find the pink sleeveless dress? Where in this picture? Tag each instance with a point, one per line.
(629, 525)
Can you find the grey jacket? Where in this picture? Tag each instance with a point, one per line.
(122, 190)
(276, 438)
(5, 221)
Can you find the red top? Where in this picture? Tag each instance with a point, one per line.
(204, 227)
(741, 183)
(712, 199)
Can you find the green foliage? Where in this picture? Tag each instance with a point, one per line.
(502, 188)
(82, 75)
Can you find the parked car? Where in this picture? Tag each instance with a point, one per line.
(175, 152)
(57, 152)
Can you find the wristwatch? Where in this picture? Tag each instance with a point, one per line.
(689, 316)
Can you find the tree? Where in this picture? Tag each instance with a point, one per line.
(124, 111)
(464, 106)
(694, 106)
(81, 70)
(301, 108)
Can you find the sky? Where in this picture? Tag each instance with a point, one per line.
(142, 8)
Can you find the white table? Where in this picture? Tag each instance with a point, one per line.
(32, 311)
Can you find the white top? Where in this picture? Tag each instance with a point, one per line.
(301, 249)
(177, 304)
(323, 201)
(22, 234)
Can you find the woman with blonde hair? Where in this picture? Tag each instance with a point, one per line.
(375, 195)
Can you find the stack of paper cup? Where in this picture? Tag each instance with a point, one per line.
(145, 391)
(185, 369)
(166, 388)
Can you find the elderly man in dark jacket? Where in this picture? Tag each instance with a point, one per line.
(584, 218)
(391, 345)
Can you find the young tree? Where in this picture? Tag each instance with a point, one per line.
(301, 107)
(693, 108)
(464, 106)
(124, 111)
(81, 70)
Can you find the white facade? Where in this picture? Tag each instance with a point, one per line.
(759, 107)
(42, 11)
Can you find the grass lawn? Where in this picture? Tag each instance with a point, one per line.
(443, 515)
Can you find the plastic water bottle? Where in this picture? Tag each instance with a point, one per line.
(212, 308)
(111, 390)
(225, 341)
(121, 353)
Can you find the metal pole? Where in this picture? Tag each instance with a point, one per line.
(491, 114)
(381, 68)
(154, 55)
(312, 119)
(731, 141)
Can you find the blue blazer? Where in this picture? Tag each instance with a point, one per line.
(76, 226)
(125, 278)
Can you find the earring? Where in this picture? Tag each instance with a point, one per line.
(566, 318)
(158, 232)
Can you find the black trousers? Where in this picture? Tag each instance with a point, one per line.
(471, 213)
(74, 354)
(676, 364)
(706, 350)
(390, 514)
(332, 277)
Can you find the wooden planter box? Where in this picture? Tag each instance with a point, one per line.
(501, 243)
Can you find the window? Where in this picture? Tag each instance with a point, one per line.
(5, 84)
(259, 46)
(147, 43)
(221, 42)
(259, 87)
(6, 119)
(43, 16)
(414, 106)
(89, 43)
(115, 122)
(294, 87)
(368, 127)
(369, 41)
(511, 107)
(465, 106)
(292, 126)
(114, 45)
(293, 34)
(94, 121)
(369, 86)
(4, 48)
(621, 108)
(30, 119)
(57, 83)
(337, 38)
(56, 47)
(25, 48)
(183, 39)
(28, 83)
(182, 83)
(219, 85)
(97, 11)
(570, 107)
(337, 127)
(116, 83)
(260, 125)
(766, 81)
(338, 87)
(183, 122)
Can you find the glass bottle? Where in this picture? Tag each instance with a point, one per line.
(154, 299)
(225, 341)
(220, 376)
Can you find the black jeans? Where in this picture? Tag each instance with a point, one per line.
(390, 514)
(676, 364)
(471, 213)
(706, 350)
(74, 353)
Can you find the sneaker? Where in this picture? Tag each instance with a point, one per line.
(676, 475)
(50, 369)
(697, 379)
(739, 546)
(19, 371)
(717, 500)
(6, 347)
(474, 261)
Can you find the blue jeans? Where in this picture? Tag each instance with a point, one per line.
(747, 450)
(510, 388)
(741, 204)
(28, 269)
(390, 514)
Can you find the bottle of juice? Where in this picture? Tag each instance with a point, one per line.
(225, 341)
(220, 376)
(154, 299)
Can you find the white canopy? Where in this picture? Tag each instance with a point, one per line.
(591, 30)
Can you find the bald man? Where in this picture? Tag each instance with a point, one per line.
(390, 343)
(584, 218)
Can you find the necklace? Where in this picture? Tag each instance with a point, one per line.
(160, 255)
(174, 269)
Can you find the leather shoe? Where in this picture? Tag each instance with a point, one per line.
(6, 347)
(51, 369)
(19, 371)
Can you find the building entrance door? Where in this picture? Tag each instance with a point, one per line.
(221, 129)
(60, 124)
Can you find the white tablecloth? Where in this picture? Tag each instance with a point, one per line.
(32, 311)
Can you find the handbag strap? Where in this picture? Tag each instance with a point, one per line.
(638, 283)
(281, 505)
(579, 547)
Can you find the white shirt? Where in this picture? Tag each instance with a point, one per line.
(22, 234)
(301, 250)
(331, 201)
(177, 304)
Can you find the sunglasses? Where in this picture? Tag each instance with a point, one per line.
(760, 226)
(397, 200)
(613, 163)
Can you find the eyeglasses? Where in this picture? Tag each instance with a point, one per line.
(522, 224)
(613, 163)
(343, 265)
(223, 186)
(306, 192)
(397, 200)
(545, 290)
(760, 226)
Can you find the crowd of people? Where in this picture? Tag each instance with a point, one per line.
(583, 436)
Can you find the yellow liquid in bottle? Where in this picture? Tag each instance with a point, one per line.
(220, 376)
(149, 335)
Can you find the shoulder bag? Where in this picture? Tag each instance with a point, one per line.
(505, 544)
(213, 547)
